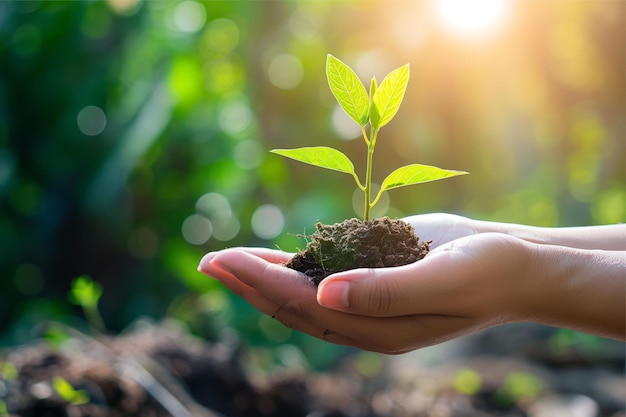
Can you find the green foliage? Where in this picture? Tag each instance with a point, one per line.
(8, 371)
(348, 90)
(55, 335)
(86, 293)
(467, 381)
(388, 96)
(519, 387)
(66, 391)
(193, 113)
(378, 109)
(323, 157)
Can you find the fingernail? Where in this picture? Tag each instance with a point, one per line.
(333, 294)
(206, 261)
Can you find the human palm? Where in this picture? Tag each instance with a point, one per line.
(390, 310)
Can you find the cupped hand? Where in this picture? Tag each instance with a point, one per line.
(466, 283)
(440, 228)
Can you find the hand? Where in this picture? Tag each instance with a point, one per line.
(461, 286)
(441, 228)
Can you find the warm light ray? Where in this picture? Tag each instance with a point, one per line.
(475, 18)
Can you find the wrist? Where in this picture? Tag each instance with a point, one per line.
(577, 289)
(606, 237)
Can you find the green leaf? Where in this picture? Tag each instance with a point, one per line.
(348, 90)
(321, 156)
(416, 174)
(85, 292)
(68, 392)
(374, 113)
(389, 95)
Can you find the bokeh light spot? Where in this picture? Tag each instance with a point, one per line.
(285, 71)
(225, 226)
(91, 120)
(609, 207)
(212, 203)
(248, 154)
(474, 18)
(185, 77)
(221, 35)
(304, 25)
(125, 7)
(197, 229)
(27, 40)
(189, 16)
(216, 208)
(343, 125)
(234, 117)
(222, 75)
(467, 382)
(267, 221)
(371, 63)
(381, 207)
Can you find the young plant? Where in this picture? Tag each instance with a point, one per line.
(86, 293)
(69, 393)
(376, 109)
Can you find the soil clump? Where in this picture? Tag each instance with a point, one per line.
(355, 244)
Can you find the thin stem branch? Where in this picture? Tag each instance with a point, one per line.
(365, 135)
(368, 176)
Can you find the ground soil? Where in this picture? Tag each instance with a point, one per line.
(355, 244)
(161, 370)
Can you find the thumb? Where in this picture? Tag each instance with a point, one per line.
(445, 282)
(418, 288)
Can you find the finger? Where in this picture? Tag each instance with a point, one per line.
(260, 302)
(295, 306)
(263, 304)
(276, 281)
(296, 321)
(293, 292)
(270, 255)
(384, 292)
(432, 285)
(471, 276)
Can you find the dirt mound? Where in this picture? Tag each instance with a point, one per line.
(355, 244)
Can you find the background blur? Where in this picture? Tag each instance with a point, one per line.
(134, 137)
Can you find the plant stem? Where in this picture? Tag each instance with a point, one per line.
(368, 176)
(93, 318)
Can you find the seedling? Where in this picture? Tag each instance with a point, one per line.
(86, 293)
(68, 392)
(376, 109)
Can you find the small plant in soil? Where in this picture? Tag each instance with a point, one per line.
(86, 293)
(363, 243)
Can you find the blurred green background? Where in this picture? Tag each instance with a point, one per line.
(134, 137)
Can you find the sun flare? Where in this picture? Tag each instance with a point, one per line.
(473, 18)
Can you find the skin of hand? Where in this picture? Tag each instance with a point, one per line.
(470, 280)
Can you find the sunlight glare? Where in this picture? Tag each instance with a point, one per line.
(474, 18)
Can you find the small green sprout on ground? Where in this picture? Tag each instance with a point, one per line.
(70, 394)
(376, 109)
(86, 293)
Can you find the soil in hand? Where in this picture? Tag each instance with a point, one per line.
(355, 244)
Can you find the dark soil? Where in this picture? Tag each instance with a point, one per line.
(355, 244)
(163, 371)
